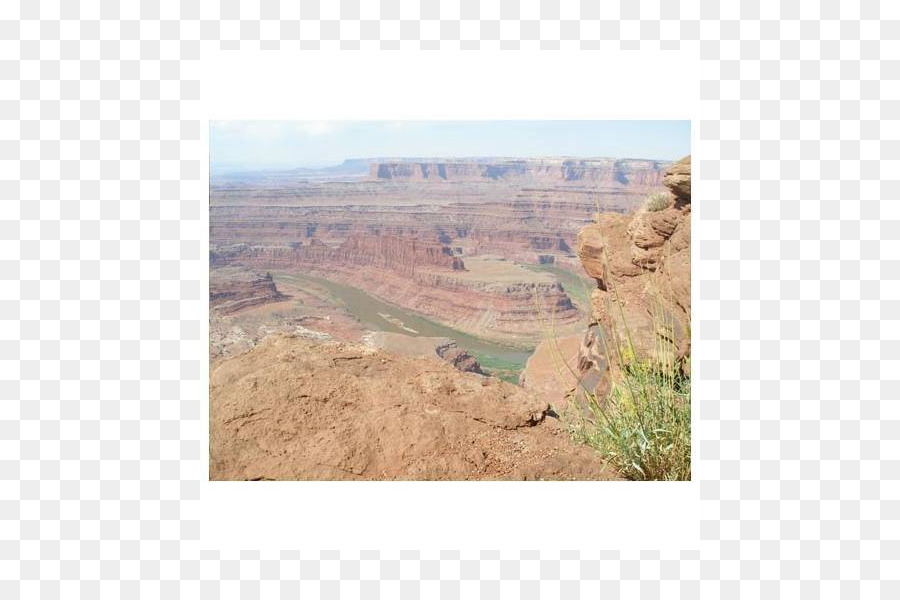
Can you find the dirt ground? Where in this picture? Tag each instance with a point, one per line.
(297, 409)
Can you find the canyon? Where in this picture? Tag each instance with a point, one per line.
(436, 319)
(458, 241)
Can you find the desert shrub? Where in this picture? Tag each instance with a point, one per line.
(644, 426)
(657, 201)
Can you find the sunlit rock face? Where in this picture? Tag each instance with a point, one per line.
(642, 265)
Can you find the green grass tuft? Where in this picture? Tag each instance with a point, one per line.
(657, 201)
(644, 426)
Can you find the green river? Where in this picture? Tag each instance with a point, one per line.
(506, 362)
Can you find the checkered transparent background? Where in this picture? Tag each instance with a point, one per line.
(796, 298)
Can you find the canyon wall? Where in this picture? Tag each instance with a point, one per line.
(424, 277)
(527, 210)
(624, 172)
(642, 265)
(403, 255)
(232, 289)
(405, 231)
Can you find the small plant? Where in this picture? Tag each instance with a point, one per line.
(644, 426)
(657, 201)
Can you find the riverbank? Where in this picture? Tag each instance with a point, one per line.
(503, 361)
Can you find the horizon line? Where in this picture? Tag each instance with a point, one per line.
(325, 165)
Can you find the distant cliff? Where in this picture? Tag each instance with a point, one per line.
(401, 254)
(425, 277)
(602, 170)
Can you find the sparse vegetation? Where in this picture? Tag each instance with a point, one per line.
(644, 426)
(657, 201)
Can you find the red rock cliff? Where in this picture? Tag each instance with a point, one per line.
(620, 172)
(403, 255)
(642, 265)
(232, 289)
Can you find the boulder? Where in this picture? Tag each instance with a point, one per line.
(678, 179)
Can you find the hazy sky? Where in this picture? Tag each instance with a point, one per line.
(278, 144)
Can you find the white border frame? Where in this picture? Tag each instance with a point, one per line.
(392, 85)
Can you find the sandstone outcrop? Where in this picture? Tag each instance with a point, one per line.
(461, 360)
(441, 347)
(641, 263)
(232, 289)
(552, 371)
(678, 179)
(428, 278)
(291, 409)
(404, 255)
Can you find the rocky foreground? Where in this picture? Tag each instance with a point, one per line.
(642, 265)
(302, 410)
(442, 347)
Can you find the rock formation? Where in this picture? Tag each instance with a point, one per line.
(600, 170)
(441, 347)
(232, 289)
(294, 409)
(425, 277)
(642, 265)
(461, 360)
(404, 255)
(552, 371)
(408, 231)
(521, 209)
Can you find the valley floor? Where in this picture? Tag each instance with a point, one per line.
(315, 305)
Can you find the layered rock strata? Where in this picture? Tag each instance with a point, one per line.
(522, 209)
(642, 265)
(426, 278)
(641, 172)
(405, 231)
(403, 255)
(232, 289)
